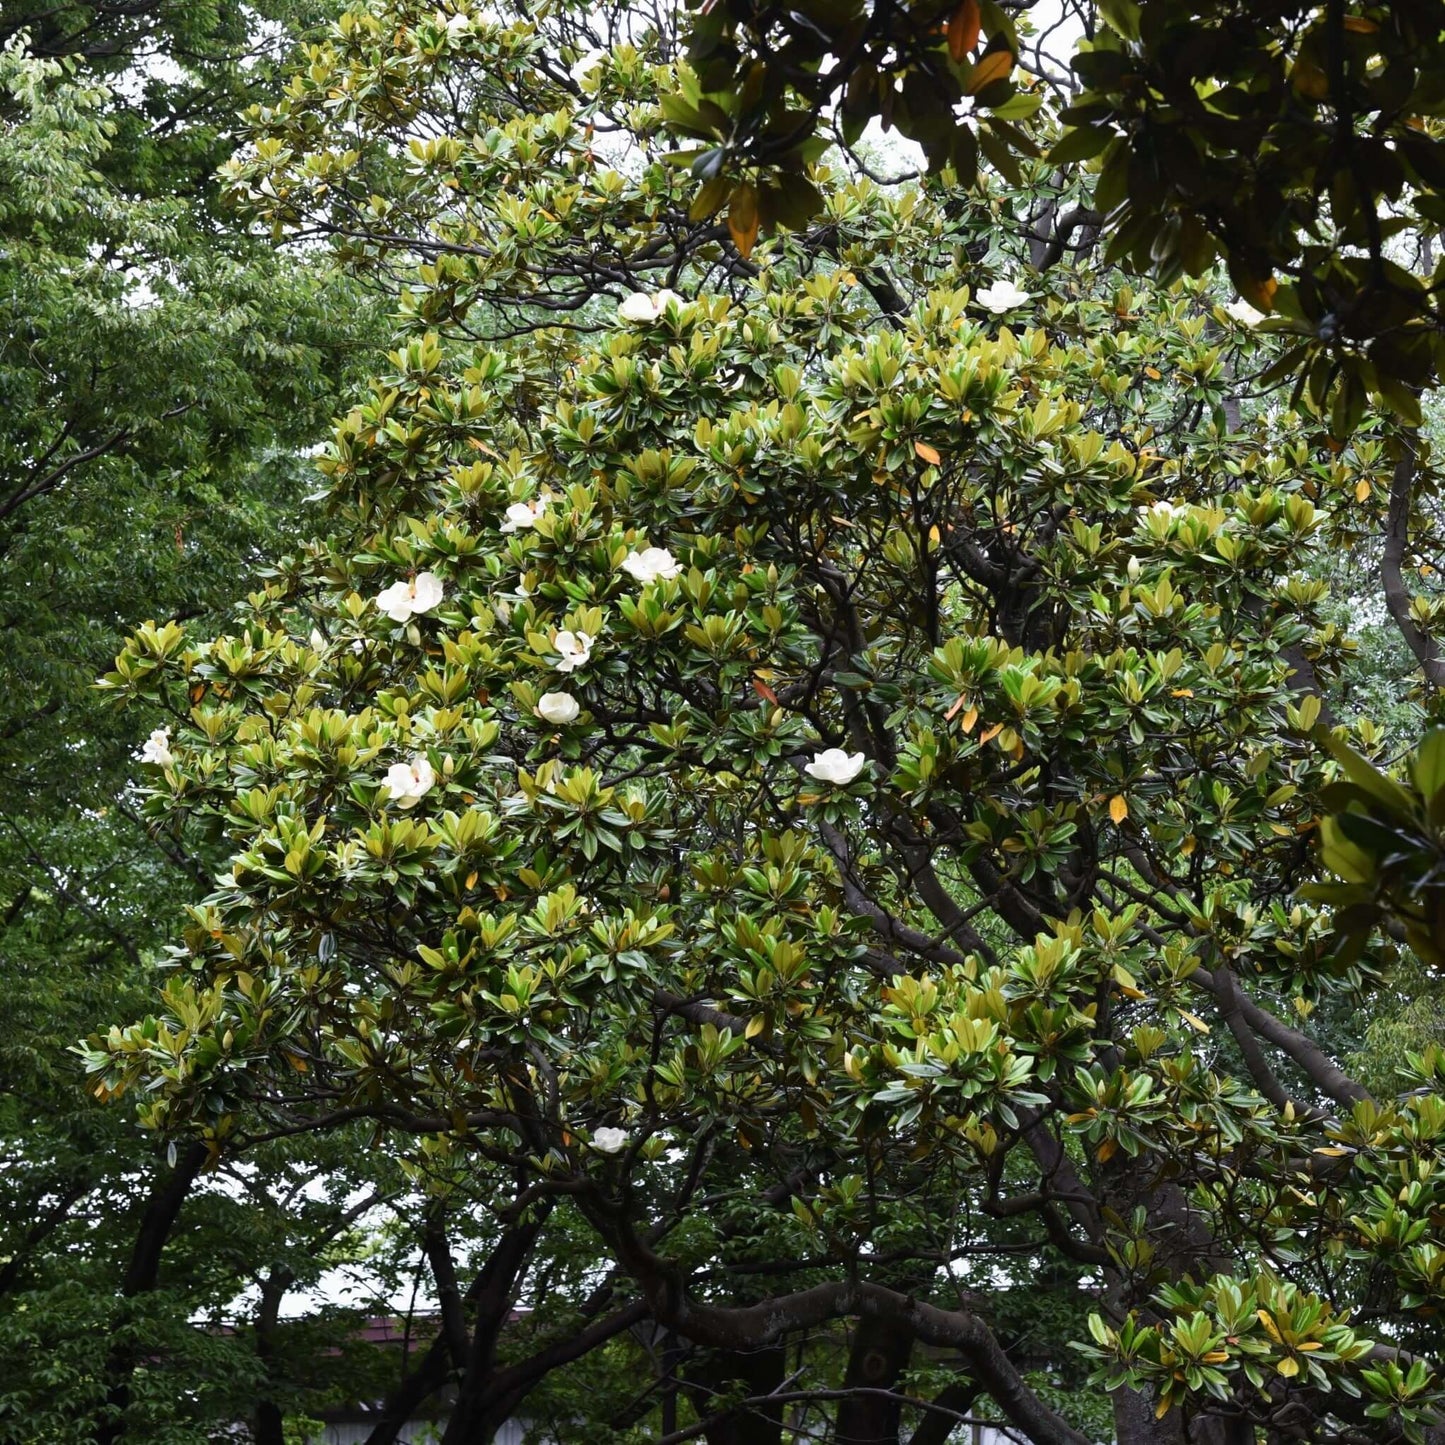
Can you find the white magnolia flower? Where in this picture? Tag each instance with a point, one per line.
(640, 308)
(608, 1140)
(558, 707)
(522, 515)
(157, 748)
(1241, 311)
(408, 782)
(574, 648)
(317, 641)
(1000, 297)
(404, 600)
(1165, 511)
(833, 765)
(650, 564)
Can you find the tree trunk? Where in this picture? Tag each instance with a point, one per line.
(753, 1372)
(159, 1218)
(1134, 1422)
(413, 1391)
(937, 1426)
(270, 1423)
(879, 1356)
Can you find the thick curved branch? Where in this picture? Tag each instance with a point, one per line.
(1309, 1057)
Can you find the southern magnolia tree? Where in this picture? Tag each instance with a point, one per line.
(799, 791)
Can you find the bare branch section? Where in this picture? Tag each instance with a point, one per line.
(1426, 649)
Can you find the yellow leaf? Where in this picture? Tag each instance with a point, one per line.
(1307, 78)
(994, 66)
(1288, 1367)
(1188, 845)
(1193, 1020)
(1360, 24)
(743, 218)
(756, 1025)
(472, 879)
(969, 719)
(1107, 1150)
(928, 453)
(963, 28)
(1362, 490)
(1118, 807)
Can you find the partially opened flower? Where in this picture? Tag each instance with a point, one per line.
(833, 765)
(574, 648)
(404, 600)
(650, 564)
(1241, 311)
(558, 707)
(608, 1140)
(522, 515)
(157, 748)
(640, 308)
(1163, 511)
(409, 782)
(1001, 296)
(637, 308)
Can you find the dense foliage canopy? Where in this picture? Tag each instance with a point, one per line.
(800, 785)
(820, 844)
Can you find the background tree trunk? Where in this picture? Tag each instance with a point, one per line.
(759, 1372)
(879, 1356)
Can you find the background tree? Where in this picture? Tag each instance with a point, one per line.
(161, 373)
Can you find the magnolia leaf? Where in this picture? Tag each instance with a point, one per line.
(996, 65)
(963, 28)
(743, 218)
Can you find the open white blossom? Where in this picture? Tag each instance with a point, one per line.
(558, 707)
(408, 782)
(608, 1140)
(404, 600)
(1241, 311)
(1165, 511)
(574, 648)
(523, 515)
(1000, 297)
(650, 564)
(640, 308)
(157, 748)
(833, 765)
